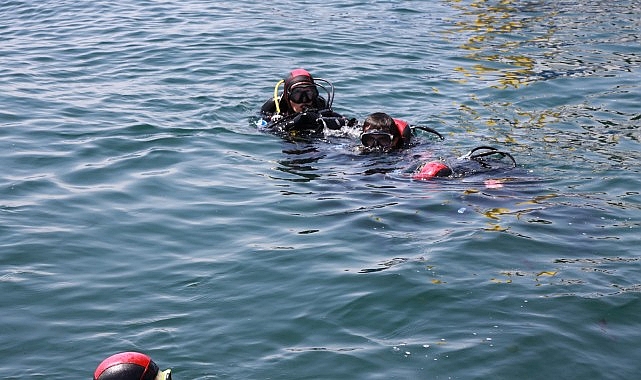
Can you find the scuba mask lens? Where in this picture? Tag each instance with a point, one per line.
(303, 94)
(377, 139)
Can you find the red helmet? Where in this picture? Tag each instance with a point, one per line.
(126, 366)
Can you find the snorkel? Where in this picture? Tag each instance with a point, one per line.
(276, 95)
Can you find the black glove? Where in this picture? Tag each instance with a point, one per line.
(332, 122)
(304, 121)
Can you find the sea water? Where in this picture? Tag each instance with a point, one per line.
(142, 208)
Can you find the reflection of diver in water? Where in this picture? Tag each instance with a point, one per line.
(301, 163)
(481, 159)
(300, 108)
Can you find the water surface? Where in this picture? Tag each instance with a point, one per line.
(143, 210)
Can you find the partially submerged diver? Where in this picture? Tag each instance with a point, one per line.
(300, 107)
(130, 366)
(481, 159)
(381, 132)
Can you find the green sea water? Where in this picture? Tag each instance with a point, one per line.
(142, 209)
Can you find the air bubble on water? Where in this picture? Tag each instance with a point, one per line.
(461, 210)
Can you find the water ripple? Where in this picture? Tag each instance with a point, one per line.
(143, 209)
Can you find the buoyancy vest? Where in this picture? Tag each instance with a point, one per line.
(404, 130)
(433, 169)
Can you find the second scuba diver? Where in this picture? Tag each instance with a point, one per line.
(382, 133)
(300, 107)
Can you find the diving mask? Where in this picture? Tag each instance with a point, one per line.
(303, 94)
(377, 139)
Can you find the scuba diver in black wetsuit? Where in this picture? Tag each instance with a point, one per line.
(300, 108)
(383, 133)
(130, 366)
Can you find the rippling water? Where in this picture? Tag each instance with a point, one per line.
(143, 210)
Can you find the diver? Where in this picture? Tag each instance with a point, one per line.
(381, 132)
(300, 107)
(130, 366)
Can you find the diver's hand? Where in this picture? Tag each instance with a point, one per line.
(304, 121)
(276, 118)
(331, 122)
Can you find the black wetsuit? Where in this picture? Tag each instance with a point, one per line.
(314, 119)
